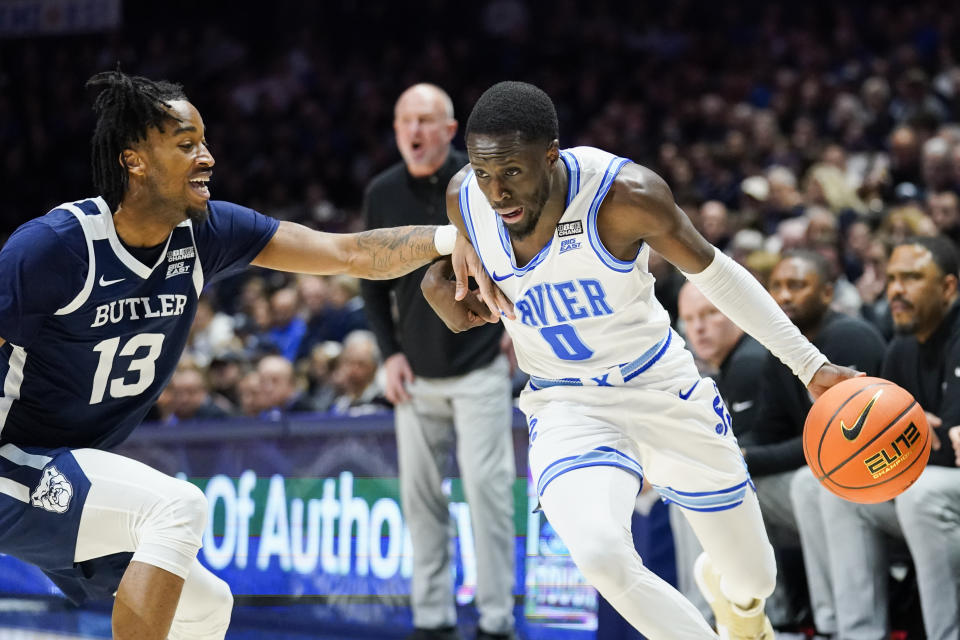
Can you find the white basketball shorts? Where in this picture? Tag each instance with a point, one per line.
(667, 425)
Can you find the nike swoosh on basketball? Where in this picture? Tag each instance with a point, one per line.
(107, 283)
(854, 431)
(500, 278)
(737, 407)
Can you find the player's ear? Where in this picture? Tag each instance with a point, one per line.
(553, 152)
(132, 161)
(949, 286)
(827, 293)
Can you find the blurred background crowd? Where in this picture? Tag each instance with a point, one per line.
(778, 126)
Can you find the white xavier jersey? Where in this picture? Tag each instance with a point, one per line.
(579, 310)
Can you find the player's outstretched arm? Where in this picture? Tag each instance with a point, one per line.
(378, 254)
(643, 206)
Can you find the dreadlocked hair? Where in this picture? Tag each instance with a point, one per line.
(126, 107)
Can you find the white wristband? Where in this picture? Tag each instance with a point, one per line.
(445, 239)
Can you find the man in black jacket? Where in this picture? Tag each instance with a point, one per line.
(925, 360)
(442, 384)
(802, 284)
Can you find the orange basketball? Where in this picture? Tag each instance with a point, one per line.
(866, 439)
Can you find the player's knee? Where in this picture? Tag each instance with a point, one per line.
(221, 602)
(601, 556)
(922, 503)
(206, 615)
(762, 580)
(804, 491)
(183, 514)
(191, 506)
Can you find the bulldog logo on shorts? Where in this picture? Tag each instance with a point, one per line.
(54, 491)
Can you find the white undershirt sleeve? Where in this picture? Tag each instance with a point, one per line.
(738, 295)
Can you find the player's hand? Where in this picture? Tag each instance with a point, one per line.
(458, 315)
(398, 374)
(829, 375)
(467, 263)
(934, 421)
(954, 434)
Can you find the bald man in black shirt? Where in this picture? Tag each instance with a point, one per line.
(442, 384)
(734, 361)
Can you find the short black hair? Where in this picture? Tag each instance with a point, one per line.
(515, 107)
(942, 249)
(126, 107)
(820, 264)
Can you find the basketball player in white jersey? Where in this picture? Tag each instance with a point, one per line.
(614, 399)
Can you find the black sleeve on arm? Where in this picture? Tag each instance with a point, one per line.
(376, 294)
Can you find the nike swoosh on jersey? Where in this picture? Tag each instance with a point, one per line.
(854, 431)
(107, 283)
(737, 407)
(500, 278)
(684, 396)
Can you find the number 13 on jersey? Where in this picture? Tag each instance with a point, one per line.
(144, 366)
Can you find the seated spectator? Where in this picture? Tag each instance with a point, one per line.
(251, 395)
(944, 208)
(922, 290)
(318, 371)
(871, 287)
(715, 223)
(802, 283)
(935, 165)
(287, 328)
(253, 326)
(223, 377)
(905, 222)
(826, 185)
(280, 389)
(355, 376)
(211, 333)
(190, 399)
(341, 314)
(784, 200)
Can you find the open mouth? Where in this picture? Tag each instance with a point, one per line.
(512, 215)
(200, 187)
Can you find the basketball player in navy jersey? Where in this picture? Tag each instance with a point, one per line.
(96, 301)
(613, 396)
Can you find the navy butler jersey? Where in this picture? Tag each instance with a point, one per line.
(93, 334)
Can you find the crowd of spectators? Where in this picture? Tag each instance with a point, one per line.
(778, 126)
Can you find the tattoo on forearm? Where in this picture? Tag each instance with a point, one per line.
(389, 253)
